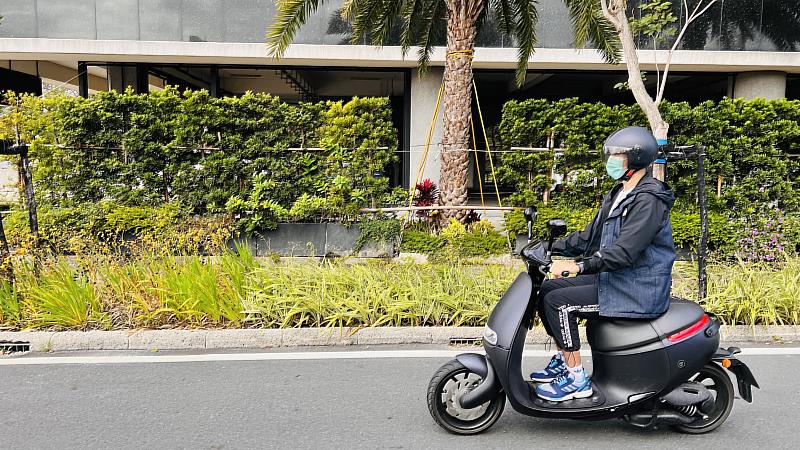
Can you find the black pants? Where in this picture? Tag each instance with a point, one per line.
(561, 302)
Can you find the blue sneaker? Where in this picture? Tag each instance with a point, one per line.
(555, 368)
(564, 388)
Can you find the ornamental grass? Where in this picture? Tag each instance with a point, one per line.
(237, 290)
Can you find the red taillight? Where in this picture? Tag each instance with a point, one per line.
(683, 334)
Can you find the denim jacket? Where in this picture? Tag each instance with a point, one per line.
(631, 249)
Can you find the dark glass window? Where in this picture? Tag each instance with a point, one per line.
(754, 25)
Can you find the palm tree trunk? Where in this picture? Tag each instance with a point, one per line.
(462, 16)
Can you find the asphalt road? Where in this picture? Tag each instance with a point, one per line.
(331, 403)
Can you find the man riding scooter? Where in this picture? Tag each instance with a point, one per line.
(623, 262)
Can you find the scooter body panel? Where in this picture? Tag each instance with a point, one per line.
(624, 378)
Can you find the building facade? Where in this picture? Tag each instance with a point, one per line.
(739, 48)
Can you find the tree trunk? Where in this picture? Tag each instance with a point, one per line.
(6, 268)
(614, 12)
(30, 198)
(462, 16)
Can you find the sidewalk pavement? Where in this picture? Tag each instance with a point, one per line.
(154, 340)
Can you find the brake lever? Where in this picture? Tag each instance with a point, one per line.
(544, 270)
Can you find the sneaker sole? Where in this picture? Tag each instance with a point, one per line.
(543, 380)
(578, 394)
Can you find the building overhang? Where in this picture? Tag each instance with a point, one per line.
(169, 52)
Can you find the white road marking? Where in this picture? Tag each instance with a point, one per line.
(292, 356)
(761, 351)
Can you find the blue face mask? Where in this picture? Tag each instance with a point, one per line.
(615, 167)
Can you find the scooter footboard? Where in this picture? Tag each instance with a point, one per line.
(488, 389)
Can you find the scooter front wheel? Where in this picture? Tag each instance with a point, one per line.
(448, 384)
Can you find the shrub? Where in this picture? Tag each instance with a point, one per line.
(377, 230)
(748, 293)
(764, 238)
(575, 218)
(417, 241)
(456, 241)
(107, 227)
(686, 230)
(62, 298)
(747, 141)
(205, 154)
(9, 305)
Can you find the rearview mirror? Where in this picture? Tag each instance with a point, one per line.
(530, 216)
(557, 227)
(530, 213)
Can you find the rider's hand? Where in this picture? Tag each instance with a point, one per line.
(563, 265)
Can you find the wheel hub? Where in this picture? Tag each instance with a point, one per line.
(454, 389)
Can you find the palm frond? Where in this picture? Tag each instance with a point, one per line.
(504, 15)
(385, 19)
(525, 32)
(432, 12)
(289, 17)
(411, 9)
(362, 15)
(589, 25)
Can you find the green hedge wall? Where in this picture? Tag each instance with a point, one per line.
(748, 142)
(208, 155)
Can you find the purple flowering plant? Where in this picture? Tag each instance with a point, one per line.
(763, 239)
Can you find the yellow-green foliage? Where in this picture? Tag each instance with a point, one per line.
(744, 292)
(751, 293)
(105, 227)
(234, 289)
(456, 241)
(378, 294)
(156, 292)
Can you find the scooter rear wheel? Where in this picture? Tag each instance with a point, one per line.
(719, 383)
(448, 384)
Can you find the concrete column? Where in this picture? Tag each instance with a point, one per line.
(424, 91)
(768, 85)
(83, 80)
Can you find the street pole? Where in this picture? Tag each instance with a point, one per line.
(670, 152)
(703, 244)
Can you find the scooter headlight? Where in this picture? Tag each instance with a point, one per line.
(489, 335)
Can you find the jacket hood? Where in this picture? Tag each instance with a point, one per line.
(657, 188)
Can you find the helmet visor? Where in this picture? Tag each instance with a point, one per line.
(610, 150)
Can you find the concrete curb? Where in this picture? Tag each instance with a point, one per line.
(154, 340)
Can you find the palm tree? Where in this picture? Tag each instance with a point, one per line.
(420, 23)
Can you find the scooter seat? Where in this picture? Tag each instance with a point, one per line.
(607, 334)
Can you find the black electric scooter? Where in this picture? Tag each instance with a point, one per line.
(665, 371)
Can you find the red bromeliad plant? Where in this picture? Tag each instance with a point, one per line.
(426, 194)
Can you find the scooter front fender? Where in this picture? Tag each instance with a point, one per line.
(488, 389)
(476, 363)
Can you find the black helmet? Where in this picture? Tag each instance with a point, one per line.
(636, 142)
